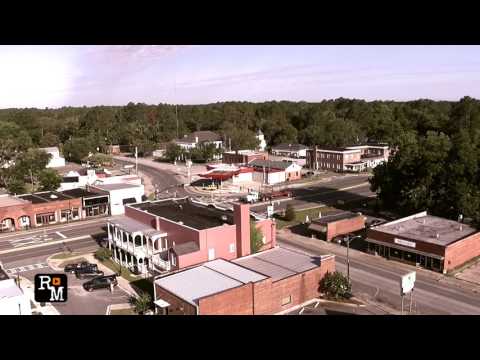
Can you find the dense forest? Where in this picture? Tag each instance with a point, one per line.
(436, 167)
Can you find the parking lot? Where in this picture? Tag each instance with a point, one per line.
(81, 302)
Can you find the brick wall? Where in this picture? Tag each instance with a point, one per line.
(236, 301)
(177, 305)
(142, 216)
(242, 222)
(461, 251)
(268, 295)
(15, 212)
(344, 226)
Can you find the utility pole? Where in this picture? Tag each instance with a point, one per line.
(348, 260)
(136, 160)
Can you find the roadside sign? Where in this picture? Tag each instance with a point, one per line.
(407, 282)
(269, 211)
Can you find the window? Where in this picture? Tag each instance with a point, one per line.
(75, 213)
(231, 248)
(64, 215)
(174, 260)
(287, 300)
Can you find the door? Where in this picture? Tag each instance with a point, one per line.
(422, 261)
(211, 254)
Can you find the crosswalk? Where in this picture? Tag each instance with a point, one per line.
(25, 268)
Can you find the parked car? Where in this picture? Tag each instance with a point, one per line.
(88, 272)
(101, 282)
(72, 268)
(276, 194)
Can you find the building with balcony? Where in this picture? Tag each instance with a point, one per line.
(165, 235)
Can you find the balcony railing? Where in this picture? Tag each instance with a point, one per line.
(163, 265)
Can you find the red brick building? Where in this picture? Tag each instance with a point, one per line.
(265, 283)
(243, 157)
(50, 207)
(333, 225)
(172, 234)
(352, 158)
(427, 241)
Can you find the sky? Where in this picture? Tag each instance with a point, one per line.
(87, 75)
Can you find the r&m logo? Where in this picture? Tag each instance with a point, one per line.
(51, 288)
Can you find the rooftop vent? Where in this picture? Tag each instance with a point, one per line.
(53, 196)
(437, 235)
(180, 222)
(224, 218)
(460, 227)
(424, 221)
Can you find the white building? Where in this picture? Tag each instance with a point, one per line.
(121, 194)
(56, 160)
(260, 137)
(13, 301)
(75, 180)
(200, 138)
(298, 151)
(274, 172)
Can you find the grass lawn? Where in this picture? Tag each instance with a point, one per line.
(128, 311)
(301, 214)
(126, 274)
(77, 260)
(64, 255)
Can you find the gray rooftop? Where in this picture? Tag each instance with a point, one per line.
(270, 164)
(130, 225)
(326, 219)
(279, 263)
(289, 147)
(121, 186)
(9, 289)
(207, 279)
(424, 227)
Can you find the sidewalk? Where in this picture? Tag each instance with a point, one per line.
(335, 249)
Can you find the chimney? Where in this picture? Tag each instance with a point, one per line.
(196, 139)
(241, 214)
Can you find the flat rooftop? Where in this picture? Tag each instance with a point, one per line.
(120, 186)
(210, 278)
(279, 263)
(9, 289)
(79, 192)
(326, 219)
(7, 200)
(191, 214)
(43, 197)
(423, 227)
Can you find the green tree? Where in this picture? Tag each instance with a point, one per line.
(78, 148)
(335, 286)
(256, 238)
(173, 152)
(30, 164)
(141, 303)
(289, 213)
(49, 180)
(98, 160)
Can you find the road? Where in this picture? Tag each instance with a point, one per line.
(345, 189)
(377, 280)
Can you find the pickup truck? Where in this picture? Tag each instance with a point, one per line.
(276, 194)
(252, 197)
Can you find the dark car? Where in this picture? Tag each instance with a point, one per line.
(88, 272)
(72, 268)
(101, 282)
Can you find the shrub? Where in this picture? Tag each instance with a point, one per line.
(103, 254)
(289, 213)
(335, 285)
(256, 238)
(141, 303)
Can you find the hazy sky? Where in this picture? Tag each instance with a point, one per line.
(55, 76)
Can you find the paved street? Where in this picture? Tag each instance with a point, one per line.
(55, 233)
(376, 280)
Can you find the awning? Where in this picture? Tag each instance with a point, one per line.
(404, 248)
(161, 303)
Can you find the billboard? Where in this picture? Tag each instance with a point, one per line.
(407, 282)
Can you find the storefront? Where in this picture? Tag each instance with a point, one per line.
(409, 256)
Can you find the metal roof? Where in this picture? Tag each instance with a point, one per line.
(130, 225)
(279, 263)
(207, 279)
(119, 186)
(289, 147)
(283, 165)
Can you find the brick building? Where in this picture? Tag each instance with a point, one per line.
(243, 157)
(265, 283)
(333, 225)
(165, 235)
(425, 240)
(351, 158)
(50, 207)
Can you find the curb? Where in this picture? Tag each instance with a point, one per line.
(44, 244)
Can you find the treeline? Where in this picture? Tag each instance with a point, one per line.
(436, 167)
